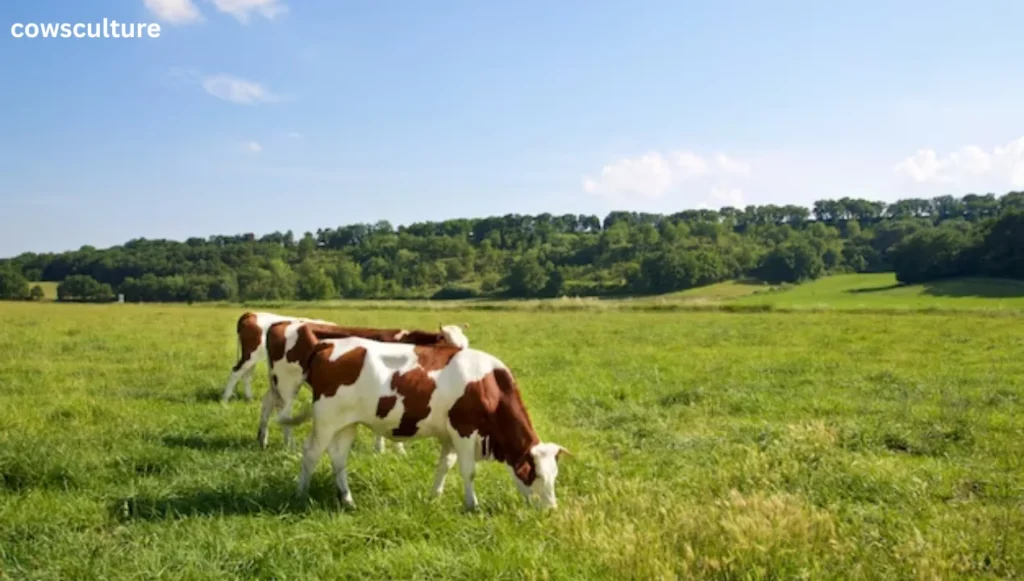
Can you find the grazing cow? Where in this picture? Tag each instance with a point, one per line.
(286, 374)
(251, 329)
(465, 398)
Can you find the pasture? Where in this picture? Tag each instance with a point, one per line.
(814, 445)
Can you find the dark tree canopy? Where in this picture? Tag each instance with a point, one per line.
(547, 255)
(13, 285)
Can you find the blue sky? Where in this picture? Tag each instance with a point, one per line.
(263, 115)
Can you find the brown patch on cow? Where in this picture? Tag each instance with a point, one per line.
(306, 343)
(493, 407)
(249, 338)
(324, 331)
(326, 376)
(276, 340)
(416, 389)
(435, 357)
(385, 405)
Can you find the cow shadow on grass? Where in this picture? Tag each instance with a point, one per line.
(204, 395)
(210, 443)
(273, 498)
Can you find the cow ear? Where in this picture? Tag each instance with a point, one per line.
(550, 448)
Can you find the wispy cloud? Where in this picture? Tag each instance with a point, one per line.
(224, 86)
(239, 90)
(243, 10)
(174, 11)
(252, 147)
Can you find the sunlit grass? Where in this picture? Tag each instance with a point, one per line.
(707, 446)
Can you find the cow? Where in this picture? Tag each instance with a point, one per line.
(465, 398)
(251, 329)
(285, 372)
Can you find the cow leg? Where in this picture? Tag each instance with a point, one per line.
(380, 443)
(465, 450)
(444, 465)
(270, 403)
(242, 370)
(339, 448)
(285, 399)
(229, 389)
(316, 444)
(248, 384)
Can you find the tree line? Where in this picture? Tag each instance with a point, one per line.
(547, 255)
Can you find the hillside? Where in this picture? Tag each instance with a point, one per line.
(867, 291)
(518, 256)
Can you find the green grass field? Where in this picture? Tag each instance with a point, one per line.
(863, 293)
(810, 445)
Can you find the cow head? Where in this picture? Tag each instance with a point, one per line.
(545, 467)
(454, 335)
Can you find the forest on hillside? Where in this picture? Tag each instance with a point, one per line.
(547, 255)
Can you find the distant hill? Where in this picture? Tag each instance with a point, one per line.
(545, 256)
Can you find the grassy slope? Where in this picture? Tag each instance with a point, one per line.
(707, 446)
(882, 291)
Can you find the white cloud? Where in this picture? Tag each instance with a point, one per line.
(970, 167)
(238, 90)
(731, 165)
(174, 11)
(691, 164)
(648, 176)
(242, 10)
(654, 174)
(252, 147)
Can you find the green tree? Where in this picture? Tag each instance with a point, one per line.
(929, 254)
(13, 285)
(527, 277)
(792, 261)
(313, 283)
(1002, 248)
(37, 293)
(84, 288)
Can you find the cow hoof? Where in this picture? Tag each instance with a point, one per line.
(346, 500)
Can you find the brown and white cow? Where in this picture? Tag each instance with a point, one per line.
(285, 370)
(465, 398)
(251, 329)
